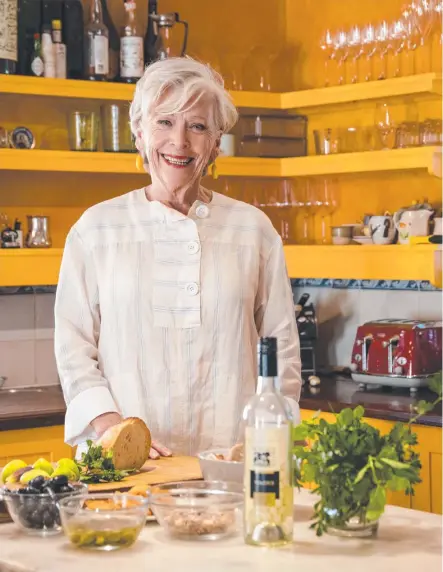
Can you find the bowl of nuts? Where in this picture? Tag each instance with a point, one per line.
(103, 521)
(35, 507)
(198, 510)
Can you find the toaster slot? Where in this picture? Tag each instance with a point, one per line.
(367, 341)
(392, 345)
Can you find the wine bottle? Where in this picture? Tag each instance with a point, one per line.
(29, 24)
(150, 53)
(73, 36)
(59, 49)
(268, 507)
(114, 43)
(51, 10)
(97, 44)
(37, 66)
(8, 37)
(131, 47)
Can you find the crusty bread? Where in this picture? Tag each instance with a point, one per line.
(130, 443)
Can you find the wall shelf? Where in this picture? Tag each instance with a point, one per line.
(419, 85)
(415, 159)
(28, 267)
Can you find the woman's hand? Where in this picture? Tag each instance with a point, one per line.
(158, 450)
(101, 423)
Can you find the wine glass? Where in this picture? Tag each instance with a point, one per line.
(341, 55)
(397, 40)
(368, 48)
(385, 125)
(313, 204)
(285, 202)
(412, 40)
(328, 199)
(355, 53)
(437, 47)
(381, 50)
(424, 15)
(328, 48)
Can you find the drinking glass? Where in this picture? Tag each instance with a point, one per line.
(327, 190)
(313, 204)
(257, 69)
(381, 50)
(368, 49)
(341, 55)
(329, 60)
(412, 40)
(302, 211)
(231, 63)
(355, 53)
(83, 130)
(385, 126)
(424, 16)
(397, 40)
(116, 128)
(437, 44)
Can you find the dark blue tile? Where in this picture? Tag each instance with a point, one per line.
(341, 283)
(426, 286)
(370, 284)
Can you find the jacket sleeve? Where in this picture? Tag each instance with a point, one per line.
(77, 327)
(275, 317)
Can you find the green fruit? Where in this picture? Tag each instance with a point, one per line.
(65, 471)
(29, 475)
(43, 465)
(10, 468)
(70, 465)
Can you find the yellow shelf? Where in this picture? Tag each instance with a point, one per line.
(366, 262)
(371, 262)
(419, 85)
(415, 159)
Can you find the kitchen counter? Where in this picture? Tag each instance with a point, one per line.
(336, 393)
(407, 540)
(45, 406)
(28, 408)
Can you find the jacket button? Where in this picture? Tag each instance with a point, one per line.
(202, 211)
(192, 289)
(193, 247)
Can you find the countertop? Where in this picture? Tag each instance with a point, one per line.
(45, 406)
(407, 540)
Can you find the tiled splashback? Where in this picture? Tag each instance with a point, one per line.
(27, 322)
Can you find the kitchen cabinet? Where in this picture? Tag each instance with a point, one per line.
(428, 494)
(31, 444)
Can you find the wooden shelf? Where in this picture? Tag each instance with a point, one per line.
(419, 158)
(420, 85)
(366, 262)
(28, 267)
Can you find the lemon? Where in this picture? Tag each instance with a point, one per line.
(43, 465)
(10, 468)
(69, 465)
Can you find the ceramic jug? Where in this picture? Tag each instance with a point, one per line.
(382, 229)
(413, 221)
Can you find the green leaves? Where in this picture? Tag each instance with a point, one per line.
(97, 466)
(353, 465)
(435, 383)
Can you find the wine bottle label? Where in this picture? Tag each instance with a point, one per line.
(37, 67)
(131, 57)
(100, 55)
(8, 30)
(268, 477)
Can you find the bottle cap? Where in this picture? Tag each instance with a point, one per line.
(36, 36)
(22, 138)
(56, 25)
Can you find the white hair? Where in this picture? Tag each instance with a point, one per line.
(185, 81)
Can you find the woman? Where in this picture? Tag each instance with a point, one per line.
(164, 291)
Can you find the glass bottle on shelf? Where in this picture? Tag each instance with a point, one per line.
(114, 43)
(73, 34)
(269, 496)
(29, 19)
(131, 47)
(37, 66)
(97, 44)
(59, 49)
(48, 52)
(8, 37)
(150, 53)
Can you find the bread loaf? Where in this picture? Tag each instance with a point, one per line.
(130, 443)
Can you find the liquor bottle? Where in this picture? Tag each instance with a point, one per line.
(268, 508)
(51, 10)
(37, 66)
(114, 43)
(97, 44)
(150, 53)
(73, 36)
(59, 49)
(29, 23)
(131, 47)
(8, 37)
(48, 51)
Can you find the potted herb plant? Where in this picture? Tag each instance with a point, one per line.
(353, 466)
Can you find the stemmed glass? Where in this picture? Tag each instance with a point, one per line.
(341, 54)
(328, 200)
(368, 48)
(355, 53)
(423, 13)
(328, 48)
(386, 126)
(313, 204)
(397, 41)
(285, 202)
(437, 47)
(412, 41)
(381, 50)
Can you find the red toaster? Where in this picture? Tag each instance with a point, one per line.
(400, 353)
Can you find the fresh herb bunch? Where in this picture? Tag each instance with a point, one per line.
(353, 465)
(96, 466)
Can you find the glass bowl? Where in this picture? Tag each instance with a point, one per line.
(198, 510)
(103, 521)
(38, 512)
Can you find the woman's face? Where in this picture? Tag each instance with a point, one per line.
(182, 144)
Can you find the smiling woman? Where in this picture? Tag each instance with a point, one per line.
(164, 291)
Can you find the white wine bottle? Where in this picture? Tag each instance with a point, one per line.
(269, 497)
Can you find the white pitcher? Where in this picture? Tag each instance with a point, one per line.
(382, 229)
(412, 222)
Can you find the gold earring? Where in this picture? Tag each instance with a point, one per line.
(214, 171)
(139, 163)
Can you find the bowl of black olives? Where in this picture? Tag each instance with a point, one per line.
(35, 507)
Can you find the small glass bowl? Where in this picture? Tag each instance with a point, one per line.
(38, 513)
(103, 521)
(198, 510)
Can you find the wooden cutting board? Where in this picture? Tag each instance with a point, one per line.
(163, 470)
